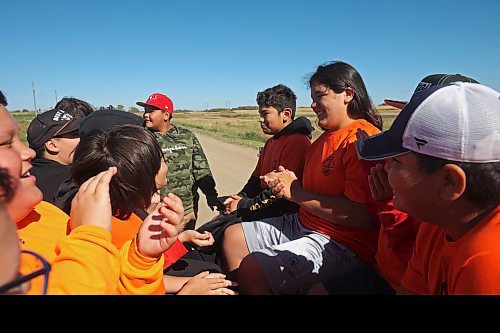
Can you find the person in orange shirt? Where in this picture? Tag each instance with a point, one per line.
(443, 162)
(335, 230)
(84, 261)
(290, 141)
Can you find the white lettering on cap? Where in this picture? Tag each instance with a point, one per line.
(61, 115)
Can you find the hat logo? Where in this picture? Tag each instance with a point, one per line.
(61, 115)
(420, 142)
(422, 86)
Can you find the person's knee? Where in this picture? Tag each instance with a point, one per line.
(233, 238)
(252, 278)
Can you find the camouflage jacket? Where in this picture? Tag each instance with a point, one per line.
(187, 164)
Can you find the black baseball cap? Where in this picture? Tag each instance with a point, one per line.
(429, 81)
(50, 124)
(105, 119)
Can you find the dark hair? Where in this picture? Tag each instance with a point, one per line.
(483, 179)
(338, 76)
(137, 156)
(74, 106)
(6, 189)
(278, 97)
(3, 99)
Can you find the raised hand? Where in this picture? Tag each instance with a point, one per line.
(92, 204)
(160, 228)
(379, 183)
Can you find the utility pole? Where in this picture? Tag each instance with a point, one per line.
(34, 95)
(55, 92)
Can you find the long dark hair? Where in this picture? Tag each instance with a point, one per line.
(337, 76)
(137, 156)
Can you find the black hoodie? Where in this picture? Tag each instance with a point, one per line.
(49, 175)
(256, 203)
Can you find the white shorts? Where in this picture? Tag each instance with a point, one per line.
(293, 257)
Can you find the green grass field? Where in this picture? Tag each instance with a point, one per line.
(240, 127)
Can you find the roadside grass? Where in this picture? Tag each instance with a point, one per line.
(242, 126)
(238, 126)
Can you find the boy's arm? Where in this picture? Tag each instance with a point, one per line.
(263, 200)
(252, 188)
(203, 175)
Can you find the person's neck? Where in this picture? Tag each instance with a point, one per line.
(459, 218)
(167, 127)
(54, 158)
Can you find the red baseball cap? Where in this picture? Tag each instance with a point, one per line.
(159, 101)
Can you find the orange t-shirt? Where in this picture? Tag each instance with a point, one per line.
(287, 150)
(125, 230)
(468, 265)
(332, 168)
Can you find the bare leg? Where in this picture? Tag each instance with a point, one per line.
(234, 247)
(252, 279)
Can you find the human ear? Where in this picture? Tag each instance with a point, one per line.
(287, 114)
(52, 146)
(453, 182)
(349, 95)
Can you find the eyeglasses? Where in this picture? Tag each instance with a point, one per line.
(45, 269)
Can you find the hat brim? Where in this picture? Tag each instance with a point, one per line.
(154, 106)
(396, 104)
(379, 147)
(71, 126)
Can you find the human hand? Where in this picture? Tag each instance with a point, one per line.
(213, 201)
(160, 228)
(280, 182)
(208, 284)
(379, 183)
(361, 134)
(92, 204)
(196, 238)
(155, 200)
(231, 203)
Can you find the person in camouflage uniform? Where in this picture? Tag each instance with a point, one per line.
(188, 167)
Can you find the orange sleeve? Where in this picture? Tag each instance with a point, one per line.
(140, 274)
(86, 263)
(294, 153)
(356, 184)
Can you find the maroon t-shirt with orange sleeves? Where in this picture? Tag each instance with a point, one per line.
(469, 265)
(332, 168)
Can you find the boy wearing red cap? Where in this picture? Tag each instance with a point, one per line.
(188, 167)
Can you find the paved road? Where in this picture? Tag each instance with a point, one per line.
(231, 167)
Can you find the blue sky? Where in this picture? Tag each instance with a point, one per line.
(212, 53)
